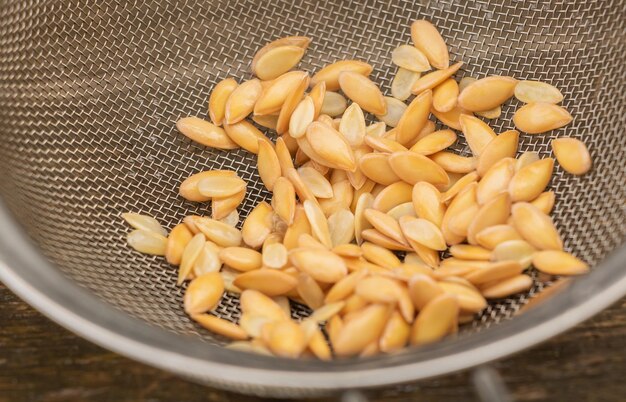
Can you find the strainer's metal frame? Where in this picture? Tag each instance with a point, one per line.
(25, 271)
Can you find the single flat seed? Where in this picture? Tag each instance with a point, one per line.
(270, 282)
(302, 116)
(377, 289)
(363, 91)
(348, 250)
(147, 242)
(536, 91)
(393, 195)
(401, 210)
(241, 258)
(465, 199)
(258, 225)
(218, 232)
(218, 98)
(318, 222)
(375, 237)
(435, 320)
(559, 263)
(494, 212)
(376, 167)
(331, 146)
(385, 145)
(221, 186)
(491, 113)
(385, 224)
(364, 328)
(490, 237)
(267, 121)
(318, 94)
(256, 303)
(220, 326)
(496, 271)
(284, 200)
(208, 260)
(291, 102)
(246, 135)
(469, 298)
(300, 41)
(221, 208)
(287, 339)
(334, 104)
(177, 240)
(322, 265)
(453, 163)
(423, 289)
(537, 118)
(379, 255)
(310, 291)
(274, 95)
(487, 93)
(496, 180)
(423, 232)
(453, 117)
(572, 155)
(189, 256)
(431, 80)
(376, 129)
(395, 335)
(434, 142)
(414, 118)
(395, 111)
(345, 287)
(241, 101)
(144, 222)
(412, 167)
(477, 133)
(275, 255)
(277, 61)
(545, 202)
(514, 250)
(530, 181)
(205, 133)
(457, 187)
(410, 58)
(507, 287)
(352, 125)
(316, 182)
(469, 252)
(535, 227)
(341, 227)
(203, 293)
(361, 223)
(503, 146)
(232, 219)
(330, 73)
(427, 38)
(445, 95)
(403, 82)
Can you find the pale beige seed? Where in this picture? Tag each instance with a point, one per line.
(381, 144)
(203, 293)
(502, 146)
(241, 101)
(310, 291)
(363, 91)
(330, 73)
(241, 258)
(352, 125)
(218, 98)
(318, 222)
(465, 199)
(189, 221)
(435, 320)
(477, 133)
(177, 240)
(572, 155)
(454, 163)
(246, 135)
(221, 208)
(395, 335)
(283, 153)
(395, 111)
(221, 186)
(431, 80)
(375, 237)
(423, 289)
(267, 121)
(364, 328)
(491, 113)
(530, 181)
(270, 282)
(284, 200)
(487, 93)
(469, 252)
(232, 219)
(274, 255)
(385, 224)
(220, 326)
(322, 265)
(291, 102)
(205, 133)
(434, 142)
(286, 339)
(410, 58)
(496, 180)
(190, 255)
(507, 287)
(361, 223)
(316, 182)
(536, 91)
(453, 117)
(331, 146)
(459, 223)
(228, 276)
(334, 104)
(423, 232)
(545, 202)
(326, 119)
(458, 186)
(414, 118)
(377, 129)
(376, 167)
(144, 222)
(341, 227)
(301, 117)
(526, 159)
(401, 210)
(490, 237)
(537, 118)
(379, 255)
(277, 61)
(208, 260)
(147, 242)
(413, 259)
(318, 94)
(514, 250)
(377, 289)
(258, 225)
(300, 41)
(218, 232)
(402, 83)
(468, 297)
(345, 287)
(494, 212)
(412, 168)
(255, 303)
(427, 38)
(559, 263)
(393, 195)
(445, 95)
(496, 271)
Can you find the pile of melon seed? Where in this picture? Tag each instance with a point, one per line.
(347, 197)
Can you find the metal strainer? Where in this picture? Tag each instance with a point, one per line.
(89, 96)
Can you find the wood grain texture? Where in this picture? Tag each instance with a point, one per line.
(42, 362)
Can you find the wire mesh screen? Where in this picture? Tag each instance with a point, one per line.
(90, 93)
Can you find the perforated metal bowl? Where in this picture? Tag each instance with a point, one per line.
(89, 97)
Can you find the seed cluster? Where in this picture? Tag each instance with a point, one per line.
(349, 199)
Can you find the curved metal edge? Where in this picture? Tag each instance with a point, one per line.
(36, 281)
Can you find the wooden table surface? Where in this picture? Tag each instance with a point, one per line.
(40, 361)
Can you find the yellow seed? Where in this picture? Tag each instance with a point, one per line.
(413, 259)
(431, 80)
(414, 118)
(274, 255)
(459, 223)
(228, 276)
(468, 297)
(451, 162)
(177, 240)
(301, 189)
(361, 223)
(395, 111)
(423, 232)
(307, 241)
(393, 195)
(477, 133)
(507, 287)
(496, 271)
(277, 61)
(352, 125)
(189, 188)
(465, 81)
(144, 222)
(572, 155)
(545, 202)
(496, 180)
(345, 287)
(241, 258)
(445, 95)
(383, 144)
(491, 113)
(267, 121)
(412, 167)
(334, 104)
(223, 207)
(357, 178)
(341, 227)
(221, 186)
(316, 182)
(435, 142)
(376, 167)
(147, 242)
(218, 98)
(231, 219)
(494, 212)
(406, 271)
(503, 146)
(203, 293)
(514, 250)
(284, 200)
(300, 41)
(253, 324)
(537, 118)
(348, 250)
(270, 282)
(205, 133)
(256, 303)
(330, 145)
(402, 210)
(453, 117)
(423, 289)
(208, 260)
(487, 93)
(494, 235)
(190, 255)
(246, 135)
(376, 129)
(274, 95)
(319, 347)
(318, 94)
(287, 339)
(362, 329)
(385, 224)
(449, 270)
(536, 227)
(395, 335)
(402, 83)
(410, 58)
(330, 73)
(299, 226)
(435, 320)
(375, 237)
(218, 232)
(220, 326)
(427, 38)
(463, 201)
(291, 102)
(318, 222)
(241, 101)
(379, 255)
(361, 90)
(559, 263)
(526, 159)
(258, 225)
(458, 186)
(377, 289)
(322, 265)
(530, 181)
(469, 252)
(535, 91)
(301, 117)
(310, 291)
(283, 153)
